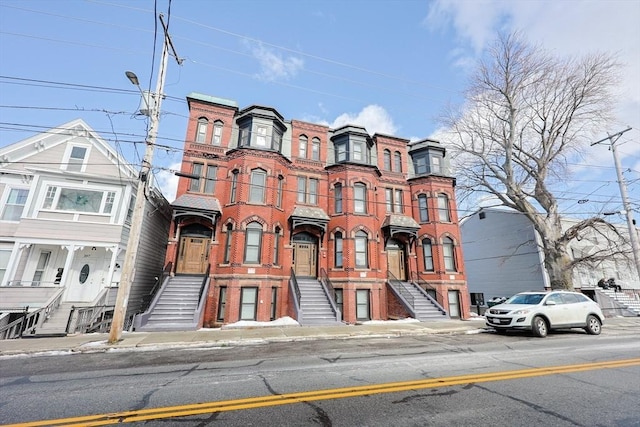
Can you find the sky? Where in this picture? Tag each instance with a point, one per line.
(391, 66)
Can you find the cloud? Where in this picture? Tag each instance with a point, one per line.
(565, 28)
(274, 66)
(167, 182)
(373, 117)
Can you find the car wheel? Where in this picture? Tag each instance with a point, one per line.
(594, 326)
(539, 327)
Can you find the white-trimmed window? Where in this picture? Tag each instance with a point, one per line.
(443, 208)
(315, 149)
(5, 254)
(216, 138)
(15, 204)
(77, 158)
(253, 243)
(201, 130)
(258, 184)
(261, 136)
(248, 303)
(387, 160)
(79, 200)
(397, 162)
(448, 252)
(360, 198)
(302, 146)
(338, 197)
(307, 190)
(422, 208)
(362, 255)
(427, 254)
(393, 197)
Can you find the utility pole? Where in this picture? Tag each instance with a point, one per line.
(153, 111)
(633, 233)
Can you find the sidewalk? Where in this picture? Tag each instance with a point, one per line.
(203, 338)
(132, 341)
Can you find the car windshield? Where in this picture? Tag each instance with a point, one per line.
(525, 299)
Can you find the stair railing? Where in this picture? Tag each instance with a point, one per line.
(416, 278)
(91, 318)
(204, 289)
(16, 328)
(330, 292)
(402, 289)
(30, 321)
(294, 290)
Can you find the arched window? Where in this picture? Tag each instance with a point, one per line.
(227, 244)
(397, 160)
(279, 191)
(216, 138)
(443, 208)
(338, 197)
(253, 243)
(315, 149)
(422, 208)
(448, 251)
(359, 198)
(258, 184)
(302, 147)
(427, 254)
(234, 185)
(387, 160)
(276, 246)
(362, 256)
(201, 130)
(338, 249)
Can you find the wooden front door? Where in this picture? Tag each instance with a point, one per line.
(305, 259)
(395, 261)
(193, 255)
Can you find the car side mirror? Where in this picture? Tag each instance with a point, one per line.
(550, 303)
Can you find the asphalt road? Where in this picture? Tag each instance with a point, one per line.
(567, 379)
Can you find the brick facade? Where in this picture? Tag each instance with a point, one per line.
(272, 189)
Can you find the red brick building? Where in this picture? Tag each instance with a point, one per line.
(269, 203)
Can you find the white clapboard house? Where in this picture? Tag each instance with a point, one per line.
(66, 200)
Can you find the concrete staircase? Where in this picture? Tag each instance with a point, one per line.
(176, 306)
(315, 305)
(626, 299)
(424, 308)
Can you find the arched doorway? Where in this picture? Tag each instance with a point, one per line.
(305, 255)
(193, 252)
(396, 259)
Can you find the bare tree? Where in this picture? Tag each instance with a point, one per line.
(527, 115)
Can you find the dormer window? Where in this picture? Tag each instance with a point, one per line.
(427, 157)
(261, 128)
(352, 144)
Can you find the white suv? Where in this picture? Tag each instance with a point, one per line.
(540, 312)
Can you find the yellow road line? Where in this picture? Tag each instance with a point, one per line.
(309, 396)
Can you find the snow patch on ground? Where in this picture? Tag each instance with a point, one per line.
(283, 321)
(390, 322)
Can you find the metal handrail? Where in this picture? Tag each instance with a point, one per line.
(296, 288)
(416, 278)
(147, 299)
(330, 291)
(402, 289)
